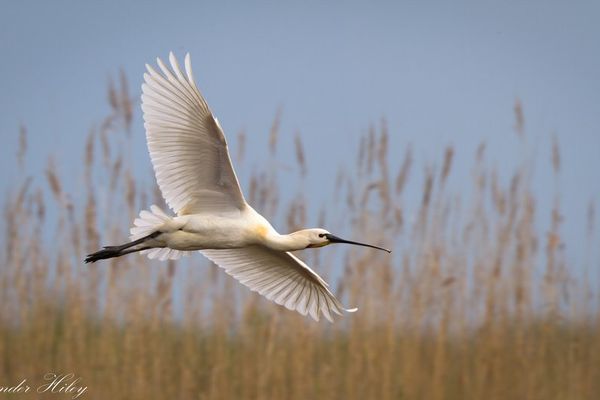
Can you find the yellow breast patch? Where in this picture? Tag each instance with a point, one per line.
(261, 230)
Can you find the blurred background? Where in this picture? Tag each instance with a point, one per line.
(464, 136)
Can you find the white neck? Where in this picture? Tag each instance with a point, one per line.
(293, 241)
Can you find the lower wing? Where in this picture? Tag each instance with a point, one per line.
(280, 277)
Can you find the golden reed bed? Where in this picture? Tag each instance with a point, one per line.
(476, 303)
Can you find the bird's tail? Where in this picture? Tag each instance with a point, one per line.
(148, 223)
(147, 226)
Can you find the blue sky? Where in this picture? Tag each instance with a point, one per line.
(441, 73)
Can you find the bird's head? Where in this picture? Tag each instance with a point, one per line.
(318, 237)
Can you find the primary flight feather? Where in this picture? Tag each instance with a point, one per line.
(193, 170)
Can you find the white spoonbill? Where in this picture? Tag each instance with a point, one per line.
(194, 172)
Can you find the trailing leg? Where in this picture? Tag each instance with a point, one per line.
(117, 251)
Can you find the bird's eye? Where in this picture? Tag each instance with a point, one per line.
(321, 235)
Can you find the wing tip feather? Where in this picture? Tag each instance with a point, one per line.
(188, 68)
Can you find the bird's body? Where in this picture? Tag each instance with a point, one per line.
(225, 231)
(209, 231)
(194, 172)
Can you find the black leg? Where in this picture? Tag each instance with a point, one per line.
(117, 251)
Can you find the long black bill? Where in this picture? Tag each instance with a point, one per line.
(335, 239)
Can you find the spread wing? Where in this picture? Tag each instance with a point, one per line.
(280, 277)
(186, 143)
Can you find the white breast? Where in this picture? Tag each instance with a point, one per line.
(210, 231)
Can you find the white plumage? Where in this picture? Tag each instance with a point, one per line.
(280, 277)
(186, 143)
(193, 169)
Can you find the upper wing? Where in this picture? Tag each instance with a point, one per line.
(280, 277)
(186, 143)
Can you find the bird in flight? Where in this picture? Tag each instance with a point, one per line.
(196, 178)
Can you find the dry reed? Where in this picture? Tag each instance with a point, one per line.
(459, 312)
